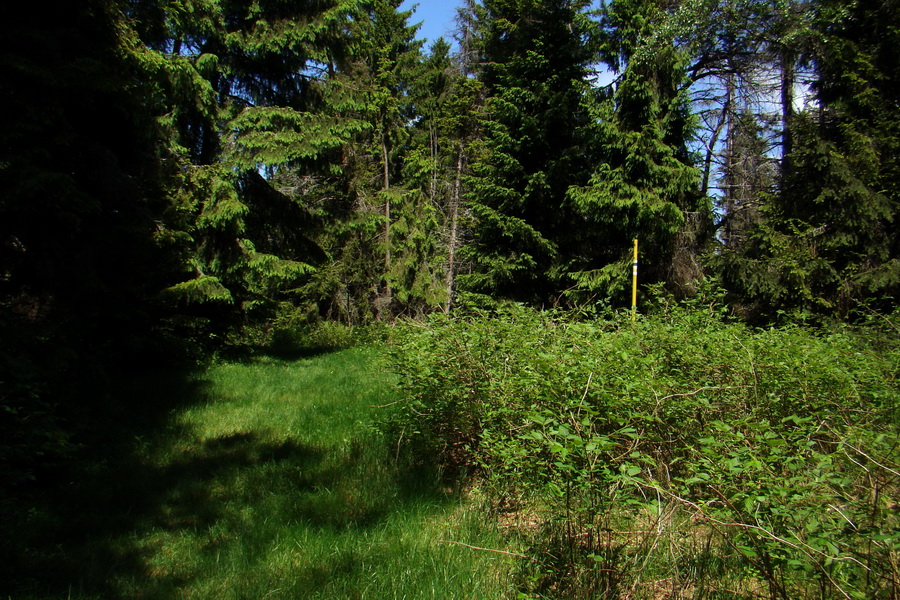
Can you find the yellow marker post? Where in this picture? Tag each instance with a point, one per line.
(634, 284)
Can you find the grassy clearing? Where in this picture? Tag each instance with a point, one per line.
(265, 481)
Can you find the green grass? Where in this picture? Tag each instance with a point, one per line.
(266, 480)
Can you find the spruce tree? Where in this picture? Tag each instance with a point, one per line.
(239, 94)
(842, 195)
(447, 104)
(421, 250)
(79, 268)
(645, 185)
(392, 60)
(828, 240)
(371, 209)
(534, 59)
(77, 171)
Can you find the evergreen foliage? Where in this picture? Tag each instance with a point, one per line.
(534, 58)
(645, 185)
(314, 157)
(845, 183)
(277, 156)
(828, 241)
(78, 194)
(259, 72)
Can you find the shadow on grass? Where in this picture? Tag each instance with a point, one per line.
(283, 352)
(298, 353)
(53, 525)
(95, 533)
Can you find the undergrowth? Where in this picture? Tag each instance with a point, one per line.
(682, 456)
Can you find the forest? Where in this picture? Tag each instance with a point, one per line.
(235, 201)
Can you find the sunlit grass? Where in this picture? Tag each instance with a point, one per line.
(270, 482)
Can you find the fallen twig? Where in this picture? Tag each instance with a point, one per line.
(715, 387)
(482, 549)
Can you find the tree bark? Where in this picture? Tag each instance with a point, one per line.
(729, 183)
(788, 78)
(387, 217)
(454, 229)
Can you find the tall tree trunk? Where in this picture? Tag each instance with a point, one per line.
(729, 182)
(710, 152)
(454, 229)
(788, 77)
(434, 164)
(387, 217)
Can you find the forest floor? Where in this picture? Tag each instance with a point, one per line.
(262, 478)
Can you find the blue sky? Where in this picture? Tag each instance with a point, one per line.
(437, 16)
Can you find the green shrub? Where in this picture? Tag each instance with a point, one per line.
(315, 337)
(772, 453)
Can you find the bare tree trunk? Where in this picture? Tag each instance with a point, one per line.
(434, 165)
(729, 175)
(787, 110)
(710, 152)
(454, 229)
(387, 218)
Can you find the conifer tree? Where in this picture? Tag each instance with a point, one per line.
(645, 186)
(740, 63)
(79, 268)
(363, 237)
(262, 70)
(79, 174)
(828, 238)
(421, 249)
(447, 104)
(393, 61)
(533, 58)
(841, 196)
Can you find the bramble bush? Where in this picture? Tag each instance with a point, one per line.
(682, 454)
